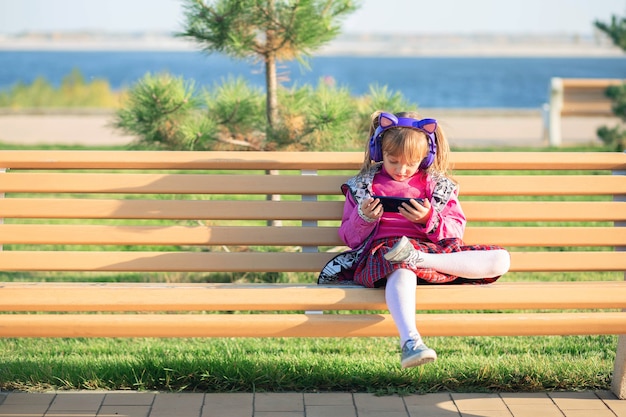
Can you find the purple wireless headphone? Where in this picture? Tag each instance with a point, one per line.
(387, 121)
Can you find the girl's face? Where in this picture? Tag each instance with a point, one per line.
(403, 151)
(399, 168)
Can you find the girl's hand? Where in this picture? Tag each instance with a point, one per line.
(372, 208)
(416, 212)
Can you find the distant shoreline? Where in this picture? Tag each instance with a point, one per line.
(345, 45)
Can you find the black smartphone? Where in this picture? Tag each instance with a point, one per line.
(391, 204)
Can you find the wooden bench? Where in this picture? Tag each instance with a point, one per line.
(85, 215)
(577, 97)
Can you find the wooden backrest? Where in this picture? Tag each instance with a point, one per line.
(587, 97)
(209, 211)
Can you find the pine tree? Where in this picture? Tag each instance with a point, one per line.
(615, 136)
(269, 30)
(616, 30)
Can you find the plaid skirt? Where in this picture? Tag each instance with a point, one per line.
(372, 270)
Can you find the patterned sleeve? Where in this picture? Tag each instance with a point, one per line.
(354, 229)
(447, 219)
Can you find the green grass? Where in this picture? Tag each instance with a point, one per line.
(466, 364)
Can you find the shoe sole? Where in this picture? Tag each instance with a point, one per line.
(417, 362)
(401, 246)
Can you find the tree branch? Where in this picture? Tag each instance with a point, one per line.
(237, 142)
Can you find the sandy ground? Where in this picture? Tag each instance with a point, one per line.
(464, 128)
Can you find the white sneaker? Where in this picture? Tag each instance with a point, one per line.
(416, 354)
(404, 251)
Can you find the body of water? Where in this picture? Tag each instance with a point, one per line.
(430, 82)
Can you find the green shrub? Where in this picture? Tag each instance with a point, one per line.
(167, 112)
(73, 92)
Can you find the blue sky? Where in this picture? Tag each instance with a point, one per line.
(374, 16)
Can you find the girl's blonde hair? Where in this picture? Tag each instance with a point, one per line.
(410, 143)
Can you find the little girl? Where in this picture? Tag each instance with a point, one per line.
(407, 156)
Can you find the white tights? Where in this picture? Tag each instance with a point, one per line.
(400, 298)
(471, 264)
(401, 283)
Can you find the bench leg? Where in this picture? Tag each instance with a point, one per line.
(618, 385)
(554, 117)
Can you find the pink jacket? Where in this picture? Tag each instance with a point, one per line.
(446, 221)
(447, 218)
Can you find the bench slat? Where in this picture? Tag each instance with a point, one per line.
(169, 235)
(171, 183)
(592, 83)
(152, 297)
(588, 109)
(58, 159)
(300, 325)
(292, 210)
(169, 209)
(188, 160)
(561, 185)
(264, 262)
(512, 211)
(546, 236)
(285, 235)
(500, 185)
(538, 160)
(567, 261)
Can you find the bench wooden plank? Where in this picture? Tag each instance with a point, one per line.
(590, 83)
(301, 325)
(169, 235)
(146, 297)
(554, 161)
(548, 236)
(169, 209)
(499, 185)
(542, 185)
(548, 211)
(59, 159)
(116, 261)
(587, 109)
(176, 160)
(285, 235)
(497, 211)
(259, 184)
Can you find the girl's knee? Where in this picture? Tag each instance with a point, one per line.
(501, 263)
(403, 274)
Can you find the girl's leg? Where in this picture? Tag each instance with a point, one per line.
(467, 264)
(400, 298)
